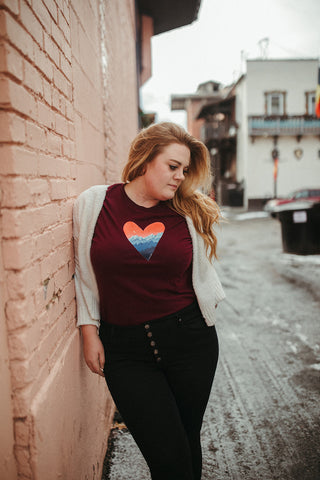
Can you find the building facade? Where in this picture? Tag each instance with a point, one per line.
(278, 136)
(261, 131)
(211, 118)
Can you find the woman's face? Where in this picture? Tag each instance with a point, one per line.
(165, 173)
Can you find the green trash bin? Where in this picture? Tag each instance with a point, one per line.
(300, 227)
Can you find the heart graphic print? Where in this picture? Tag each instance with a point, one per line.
(145, 241)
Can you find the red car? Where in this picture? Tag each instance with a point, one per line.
(309, 194)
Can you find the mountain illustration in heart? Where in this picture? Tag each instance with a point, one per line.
(145, 240)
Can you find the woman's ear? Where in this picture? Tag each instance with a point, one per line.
(143, 170)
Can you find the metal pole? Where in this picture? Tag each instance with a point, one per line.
(275, 156)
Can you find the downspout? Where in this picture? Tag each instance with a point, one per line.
(138, 58)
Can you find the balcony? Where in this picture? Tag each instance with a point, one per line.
(217, 130)
(260, 126)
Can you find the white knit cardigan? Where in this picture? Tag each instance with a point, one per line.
(87, 207)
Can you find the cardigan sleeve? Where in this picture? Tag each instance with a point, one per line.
(88, 312)
(206, 283)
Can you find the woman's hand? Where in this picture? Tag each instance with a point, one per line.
(93, 349)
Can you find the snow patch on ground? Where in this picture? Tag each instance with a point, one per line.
(302, 337)
(315, 366)
(244, 215)
(293, 259)
(293, 347)
(251, 215)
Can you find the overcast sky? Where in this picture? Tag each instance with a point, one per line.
(210, 48)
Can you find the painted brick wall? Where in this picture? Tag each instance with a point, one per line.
(68, 99)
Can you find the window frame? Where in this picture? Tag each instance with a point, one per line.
(281, 105)
(311, 103)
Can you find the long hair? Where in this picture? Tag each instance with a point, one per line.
(188, 199)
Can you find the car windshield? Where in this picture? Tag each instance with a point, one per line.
(301, 194)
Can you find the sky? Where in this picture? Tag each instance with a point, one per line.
(226, 31)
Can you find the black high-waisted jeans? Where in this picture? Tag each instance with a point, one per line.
(160, 375)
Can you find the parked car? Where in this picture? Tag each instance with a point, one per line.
(309, 194)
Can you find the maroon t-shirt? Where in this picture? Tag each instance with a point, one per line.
(142, 259)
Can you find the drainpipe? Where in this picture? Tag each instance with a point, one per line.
(138, 58)
(275, 157)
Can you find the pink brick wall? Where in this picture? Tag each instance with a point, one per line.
(66, 122)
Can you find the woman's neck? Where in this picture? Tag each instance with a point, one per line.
(136, 192)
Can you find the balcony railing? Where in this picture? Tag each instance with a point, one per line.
(293, 125)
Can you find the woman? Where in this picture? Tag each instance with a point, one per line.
(147, 292)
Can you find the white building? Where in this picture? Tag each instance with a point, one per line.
(269, 112)
(274, 110)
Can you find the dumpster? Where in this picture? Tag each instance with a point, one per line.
(300, 227)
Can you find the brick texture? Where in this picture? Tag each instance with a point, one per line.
(68, 114)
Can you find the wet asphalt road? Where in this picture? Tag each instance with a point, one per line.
(262, 420)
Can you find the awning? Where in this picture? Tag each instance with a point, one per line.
(169, 14)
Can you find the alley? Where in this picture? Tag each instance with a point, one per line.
(262, 421)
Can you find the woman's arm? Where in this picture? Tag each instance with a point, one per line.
(84, 219)
(85, 213)
(93, 349)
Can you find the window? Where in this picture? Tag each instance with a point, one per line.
(275, 103)
(311, 103)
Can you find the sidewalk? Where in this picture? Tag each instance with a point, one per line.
(262, 420)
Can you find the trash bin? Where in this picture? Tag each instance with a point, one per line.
(300, 227)
(236, 197)
(231, 194)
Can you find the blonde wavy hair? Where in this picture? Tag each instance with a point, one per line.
(188, 199)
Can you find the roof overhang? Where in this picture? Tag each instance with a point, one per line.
(219, 106)
(179, 101)
(169, 14)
